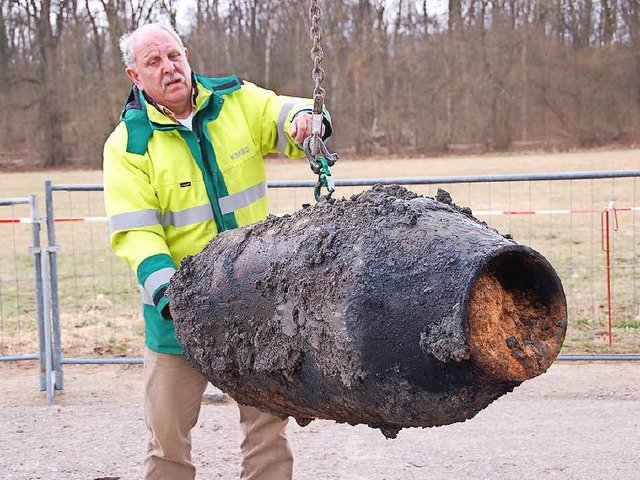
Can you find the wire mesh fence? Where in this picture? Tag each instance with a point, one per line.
(586, 224)
(95, 298)
(20, 315)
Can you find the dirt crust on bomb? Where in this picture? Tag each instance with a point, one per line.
(387, 309)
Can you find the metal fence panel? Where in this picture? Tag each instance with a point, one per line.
(570, 218)
(88, 309)
(95, 299)
(587, 224)
(22, 335)
(18, 305)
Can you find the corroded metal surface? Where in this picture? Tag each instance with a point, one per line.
(386, 309)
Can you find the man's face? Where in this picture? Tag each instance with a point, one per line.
(162, 70)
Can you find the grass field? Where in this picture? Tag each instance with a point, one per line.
(99, 305)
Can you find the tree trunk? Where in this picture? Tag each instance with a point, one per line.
(49, 28)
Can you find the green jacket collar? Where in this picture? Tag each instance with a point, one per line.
(141, 116)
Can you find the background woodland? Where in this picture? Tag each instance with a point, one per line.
(401, 77)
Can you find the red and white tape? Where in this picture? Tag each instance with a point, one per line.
(56, 219)
(486, 213)
(550, 212)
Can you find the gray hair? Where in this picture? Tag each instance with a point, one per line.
(127, 40)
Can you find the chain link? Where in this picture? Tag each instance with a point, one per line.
(317, 73)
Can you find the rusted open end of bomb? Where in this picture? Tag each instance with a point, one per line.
(516, 315)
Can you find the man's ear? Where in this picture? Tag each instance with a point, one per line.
(133, 75)
(186, 53)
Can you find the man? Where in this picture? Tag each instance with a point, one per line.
(185, 163)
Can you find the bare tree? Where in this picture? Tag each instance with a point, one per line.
(454, 73)
(630, 10)
(47, 19)
(609, 19)
(4, 40)
(399, 78)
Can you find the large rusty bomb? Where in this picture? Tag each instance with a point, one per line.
(387, 309)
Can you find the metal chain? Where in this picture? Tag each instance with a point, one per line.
(317, 74)
(319, 157)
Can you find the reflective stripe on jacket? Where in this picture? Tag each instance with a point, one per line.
(169, 190)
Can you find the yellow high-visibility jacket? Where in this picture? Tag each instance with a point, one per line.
(169, 190)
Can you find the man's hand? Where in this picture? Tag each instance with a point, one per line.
(301, 127)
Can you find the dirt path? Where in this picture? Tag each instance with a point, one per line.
(577, 421)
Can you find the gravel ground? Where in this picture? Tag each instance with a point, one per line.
(580, 420)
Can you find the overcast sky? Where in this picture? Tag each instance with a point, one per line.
(186, 8)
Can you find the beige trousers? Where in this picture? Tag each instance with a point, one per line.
(172, 399)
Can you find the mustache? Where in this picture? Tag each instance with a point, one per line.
(172, 77)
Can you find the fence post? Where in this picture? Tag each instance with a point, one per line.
(37, 266)
(50, 372)
(607, 248)
(52, 248)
